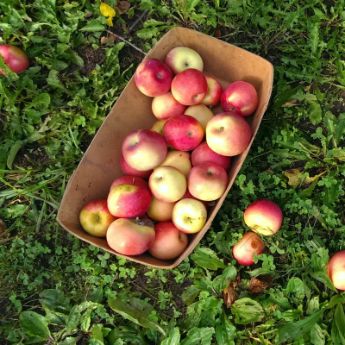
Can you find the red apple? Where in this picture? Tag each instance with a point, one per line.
(128, 197)
(144, 149)
(182, 58)
(169, 242)
(201, 113)
(263, 217)
(128, 170)
(95, 218)
(336, 270)
(130, 236)
(166, 106)
(183, 132)
(160, 211)
(153, 77)
(228, 134)
(214, 91)
(203, 154)
(240, 97)
(207, 181)
(247, 248)
(189, 87)
(14, 58)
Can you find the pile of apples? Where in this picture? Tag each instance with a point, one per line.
(174, 171)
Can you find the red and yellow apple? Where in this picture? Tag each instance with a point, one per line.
(158, 126)
(249, 246)
(153, 77)
(144, 149)
(201, 113)
(183, 132)
(130, 236)
(228, 134)
(160, 211)
(14, 58)
(95, 217)
(166, 106)
(263, 217)
(189, 87)
(214, 91)
(169, 242)
(128, 170)
(336, 270)
(182, 58)
(179, 160)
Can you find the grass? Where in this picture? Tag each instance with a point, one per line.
(56, 290)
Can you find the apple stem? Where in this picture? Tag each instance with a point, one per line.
(126, 41)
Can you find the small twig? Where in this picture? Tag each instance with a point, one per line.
(126, 41)
(137, 21)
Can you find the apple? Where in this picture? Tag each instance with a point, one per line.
(160, 211)
(336, 270)
(130, 236)
(158, 126)
(169, 242)
(166, 106)
(179, 160)
(189, 87)
(249, 246)
(167, 184)
(183, 132)
(128, 170)
(200, 112)
(207, 181)
(128, 197)
(14, 58)
(189, 215)
(214, 91)
(263, 217)
(228, 134)
(153, 77)
(203, 154)
(144, 149)
(95, 218)
(182, 58)
(240, 97)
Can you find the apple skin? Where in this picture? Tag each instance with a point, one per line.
(128, 170)
(228, 134)
(189, 87)
(14, 58)
(169, 242)
(203, 154)
(130, 236)
(160, 211)
(167, 184)
(263, 217)
(158, 126)
(247, 248)
(201, 113)
(183, 132)
(128, 197)
(182, 58)
(166, 106)
(179, 160)
(189, 215)
(153, 77)
(207, 181)
(336, 270)
(241, 97)
(95, 217)
(214, 91)
(144, 149)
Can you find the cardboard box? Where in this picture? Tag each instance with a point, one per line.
(99, 165)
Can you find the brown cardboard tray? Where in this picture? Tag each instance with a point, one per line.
(99, 165)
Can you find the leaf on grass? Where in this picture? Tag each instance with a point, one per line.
(207, 258)
(338, 325)
(315, 113)
(297, 178)
(108, 12)
(246, 310)
(13, 152)
(225, 332)
(93, 25)
(54, 299)
(35, 326)
(173, 337)
(317, 337)
(220, 282)
(257, 286)
(199, 336)
(123, 6)
(229, 294)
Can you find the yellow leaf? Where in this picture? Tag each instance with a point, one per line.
(108, 12)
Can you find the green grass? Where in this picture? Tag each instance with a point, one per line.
(54, 289)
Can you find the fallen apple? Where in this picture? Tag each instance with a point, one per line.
(249, 246)
(336, 270)
(14, 58)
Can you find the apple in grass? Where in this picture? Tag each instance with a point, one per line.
(182, 58)
(179, 160)
(189, 215)
(159, 210)
(249, 246)
(228, 134)
(169, 241)
(183, 132)
(144, 149)
(189, 87)
(158, 126)
(201, 113)
(166, 106)
(336, 270)
(214, 91)
(203, 154)
(130, 236)
(95, 217)
(207, 181)
(129, 196)
(263, 217)
(128, 170)
(240, 97)
(14, 58)
(167, 184)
